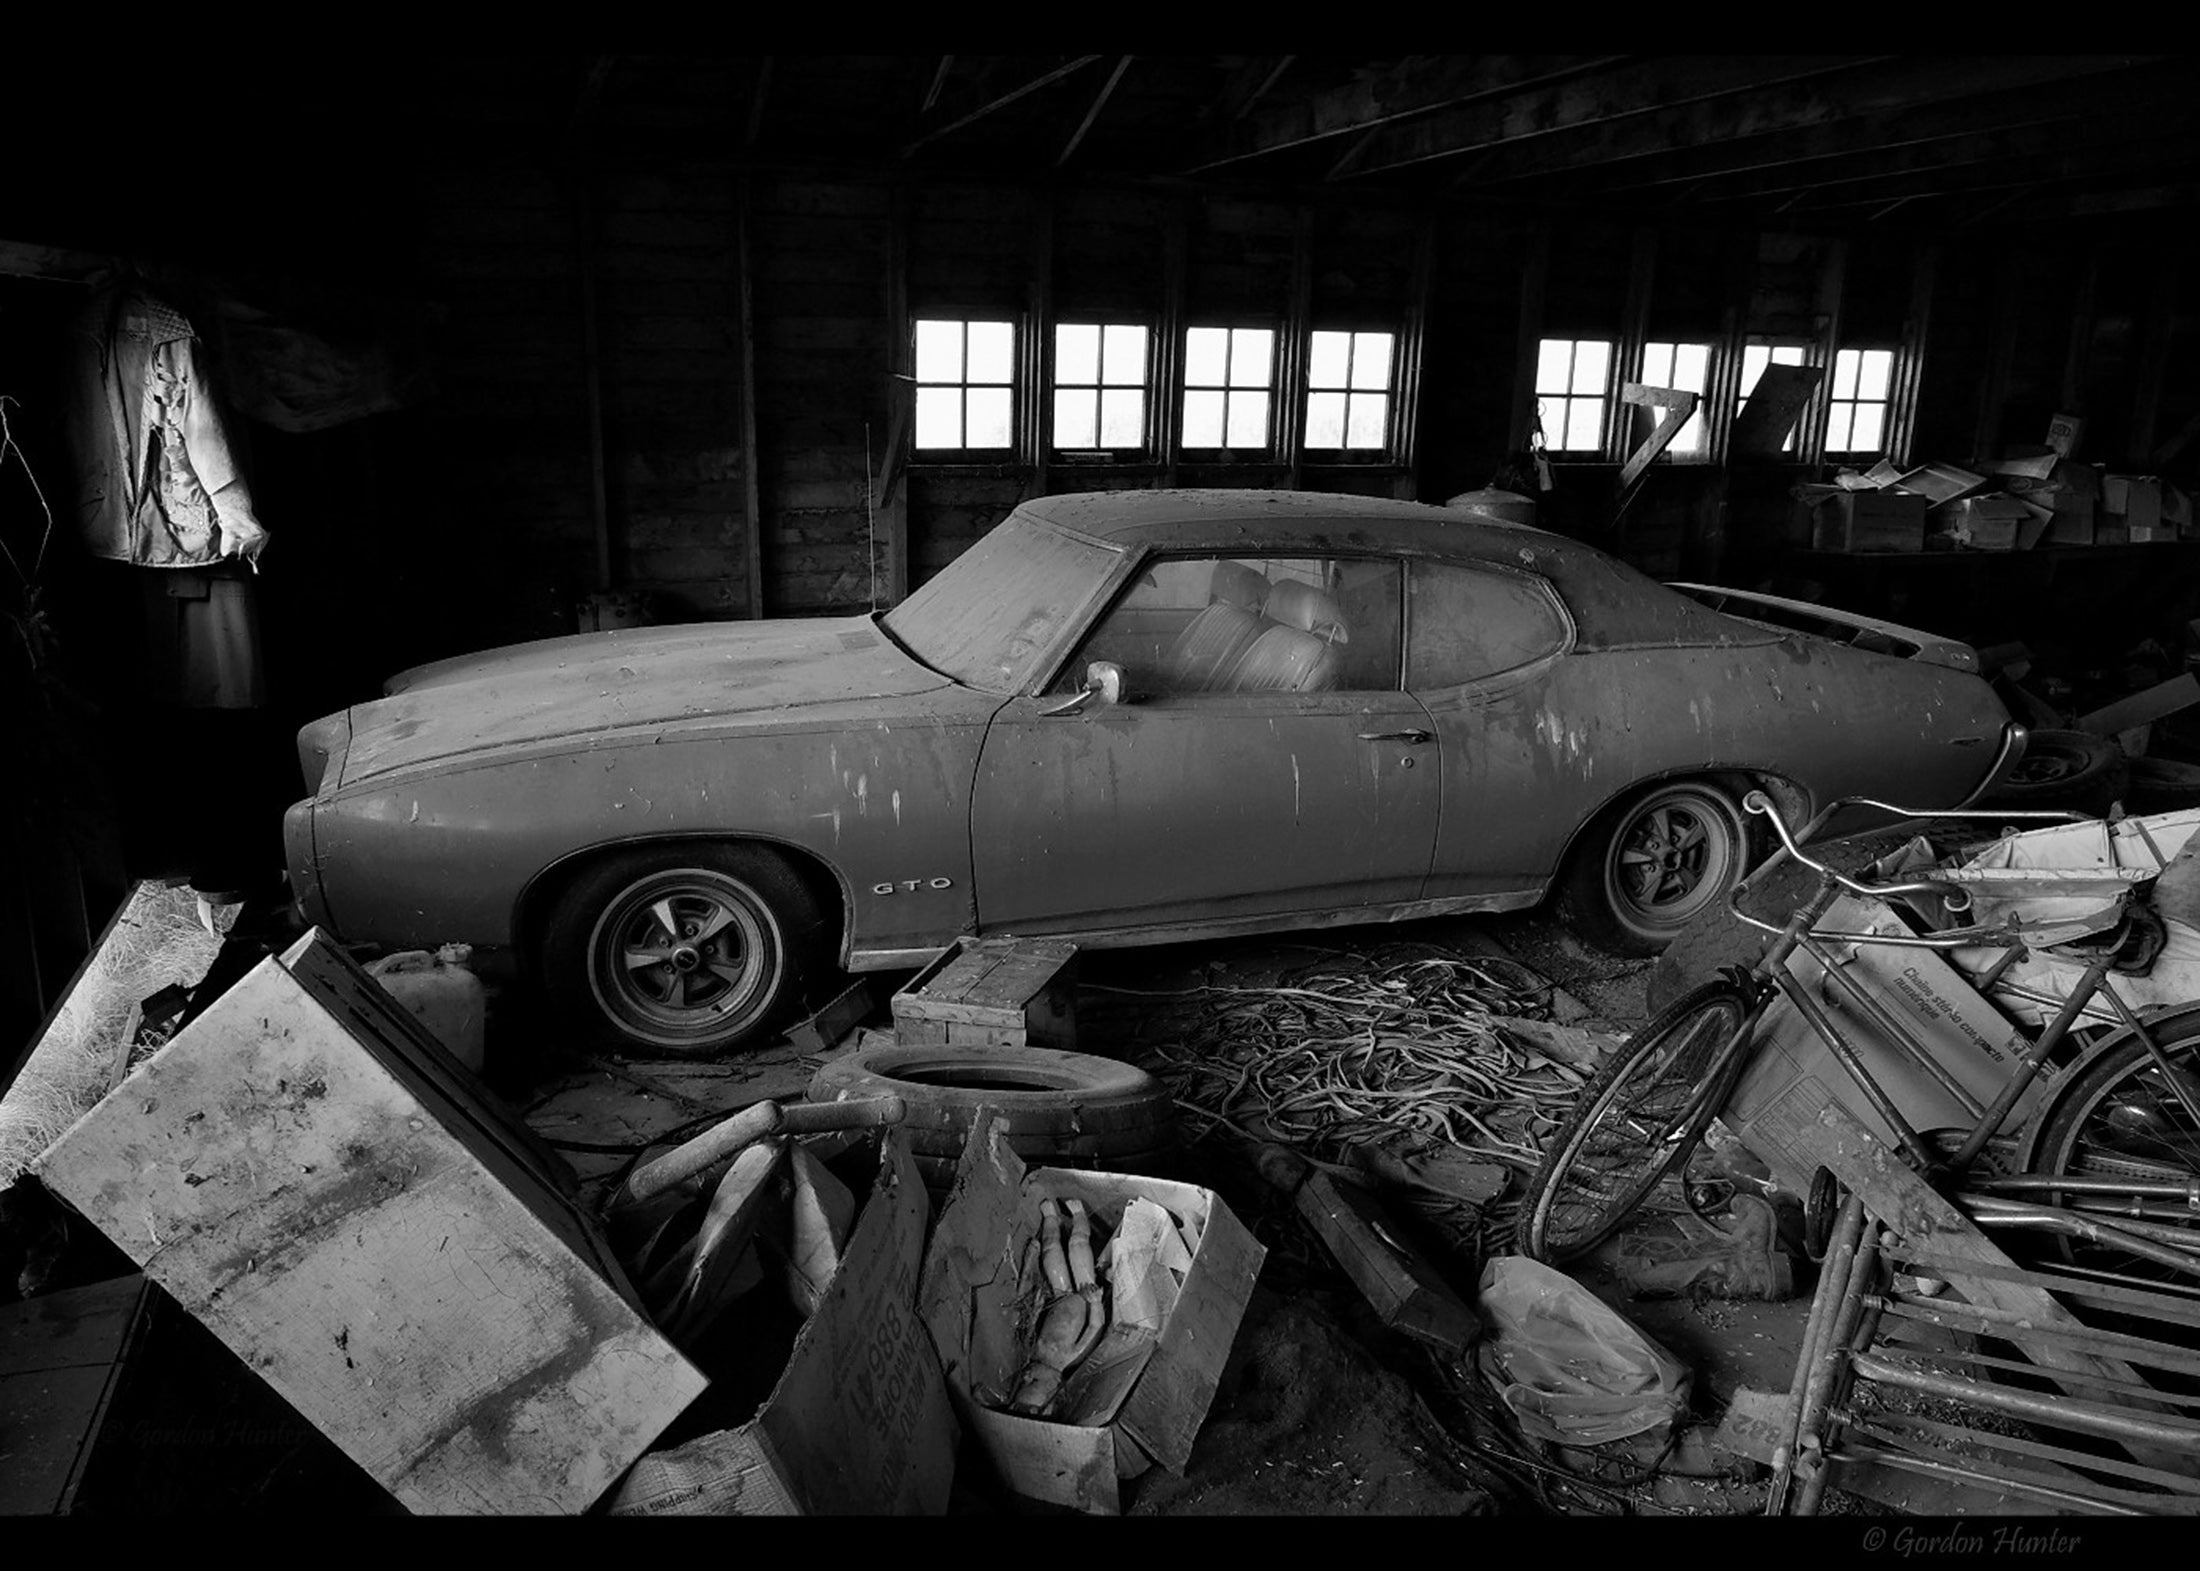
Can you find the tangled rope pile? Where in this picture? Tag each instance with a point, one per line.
(1360, 1049)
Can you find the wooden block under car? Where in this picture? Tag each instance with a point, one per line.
(967, 1293)
(1869, 521)
(993, 992)
(317, 1181)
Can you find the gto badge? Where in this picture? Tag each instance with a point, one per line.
(912, 885)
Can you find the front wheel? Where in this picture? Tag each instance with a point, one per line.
(1636, 1120)
(1648, 868)
(688, 950)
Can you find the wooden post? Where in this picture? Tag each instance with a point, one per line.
(1039, 362)
(584, 244)
(1534, 270)
(1169, 352)
(901, 398)
(1810, 435)
(1909, 373)
(751, 483)
(1412, 350)
(1292, 353)
(2146, 408)
(2081, 335)
(1634, 332)
(1993, 388)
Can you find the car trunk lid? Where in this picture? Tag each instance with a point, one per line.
(1842, 627)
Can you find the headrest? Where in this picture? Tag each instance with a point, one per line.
(1308, 609)
(1236, 584)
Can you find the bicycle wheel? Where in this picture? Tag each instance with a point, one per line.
(1638, 1116)
(2116, 1116)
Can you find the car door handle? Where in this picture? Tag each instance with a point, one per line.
(1397, 736)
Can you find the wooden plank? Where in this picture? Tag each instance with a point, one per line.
(1405, 1293)
(1900, 1199)
(374, 1249)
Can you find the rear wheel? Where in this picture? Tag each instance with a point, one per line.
(689, 950)
(1648, 868)
(1637, 1119)
(2065, 769)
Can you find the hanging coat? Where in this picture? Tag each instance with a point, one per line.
(157, 486)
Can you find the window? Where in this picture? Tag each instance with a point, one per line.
(1755, 357)
(1100, 386)
(1467, 623)
(1348, 390)
(1856, 416)
(1685, 368)
(1570, 390)
(966, 379)
(1229, 380)
(1193, 625)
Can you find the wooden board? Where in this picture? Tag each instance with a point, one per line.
(61, 1356)
(1003, 992)
(1404, 1291)
(364, 1228)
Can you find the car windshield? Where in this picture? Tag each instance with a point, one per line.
(991, 610)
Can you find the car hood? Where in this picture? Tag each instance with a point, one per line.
(572, 688)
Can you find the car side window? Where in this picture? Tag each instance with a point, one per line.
(1248, 624)
(1466, 623)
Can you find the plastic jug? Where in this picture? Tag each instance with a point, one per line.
(443, 992)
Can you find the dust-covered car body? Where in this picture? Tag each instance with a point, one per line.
(1323, 709)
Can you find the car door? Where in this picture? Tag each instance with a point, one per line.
(1263, 761)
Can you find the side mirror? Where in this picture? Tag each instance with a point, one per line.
(1103, 680)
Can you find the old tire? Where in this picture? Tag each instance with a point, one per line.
(744, 933)
(1651, 865)
(2070, 769)
(1715, 940)
(1063, 1109)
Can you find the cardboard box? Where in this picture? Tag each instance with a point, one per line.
(1968, 1036)
(2137, 500)
(1154, 1406)
(1993, 523)
(1868, 521)
(993, 992)
(2064, 433)
(2072, 494)
(859, 1421)
(312, 1177)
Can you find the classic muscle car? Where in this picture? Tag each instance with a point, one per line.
(1125, 717)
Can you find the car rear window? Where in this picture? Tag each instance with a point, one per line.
(988, 613)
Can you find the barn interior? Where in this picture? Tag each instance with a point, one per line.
(511, 348)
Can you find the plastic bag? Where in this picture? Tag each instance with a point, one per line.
(1571, 1368)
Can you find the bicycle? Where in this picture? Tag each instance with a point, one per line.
(2109, 1159)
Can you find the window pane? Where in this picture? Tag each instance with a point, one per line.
(1787, 354)
(939, 417)
(1073, 418)
(1591, 359)
(1837, 428)
(1689, 438)
(1364, 423)
(989, 417)
(1325, 420)
(1202, 419)
(1326, 360)
(1076, 355)
(1877, 370)
(992, 354)
(1123, 417)
(939, 351)
(1371, 361)
(1691, 367)
(1252, 357)
(1123, 360)
(1657, 365)
(1870, 418)
(1204, 351)
(1844, 374)
(1466, 624)
(1249, 419)
(1755, 357)
(1584, 424)
(1552, 362)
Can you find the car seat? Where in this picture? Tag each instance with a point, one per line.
(1239, 585)
(1287, 660)
(1205, 656)
(1308, 609)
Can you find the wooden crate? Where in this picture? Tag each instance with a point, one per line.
(993, 992)
(319, 1183)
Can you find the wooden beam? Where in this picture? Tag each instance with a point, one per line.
(939, 80)
(2146, 407)
(2081, 334)
(1099, 102)
(1916, 345)
(1039, 361)
(1634, 324)
(1296, 344)
(1413, 351)
(1534, 272)
(1833, 272)
(1678, 406)
(2001, 338)
(584, 248)
(893, 503)
(1001, 102)
(1415, 87)
(1672, 105)
(1169, 352)
(1247, 86)
(752, 489)
(580, 122)
(757, 97)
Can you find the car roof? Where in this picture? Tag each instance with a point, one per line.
(1613, 604)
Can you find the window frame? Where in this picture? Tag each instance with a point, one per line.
(1809, 421)
(1886, 403)
(1147, 387)
(1392, 393)
(1607, 397)
(1570, 629)
(963, 316)
(1272, 433)
(1645, 421)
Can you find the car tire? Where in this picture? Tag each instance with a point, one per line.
(1654, 863)
(2072, 769)
(1715, 940)
(1063, 1109)
(751, 935)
